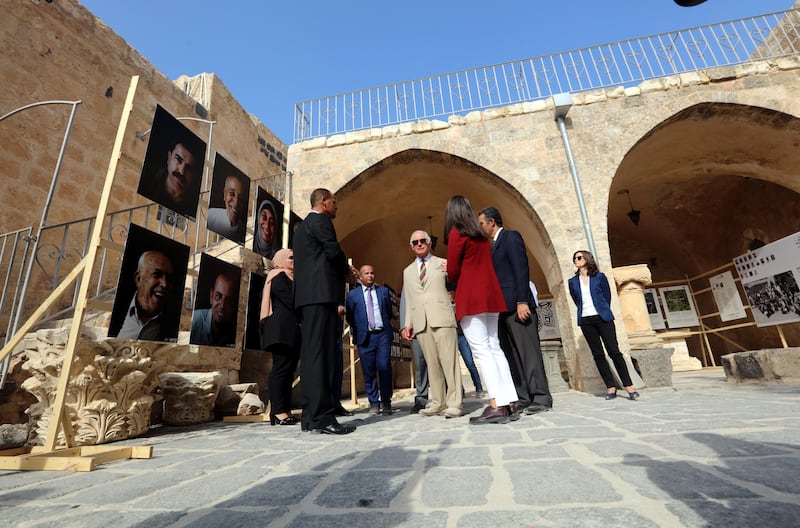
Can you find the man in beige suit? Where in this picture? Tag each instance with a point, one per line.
(431, 319)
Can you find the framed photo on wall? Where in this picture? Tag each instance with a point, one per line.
(268, 228)
(216, 307)
(227, 205)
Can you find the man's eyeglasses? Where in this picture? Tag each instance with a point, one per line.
(420, 242)
(577, 257)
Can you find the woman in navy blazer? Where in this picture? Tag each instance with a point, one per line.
(592, 295)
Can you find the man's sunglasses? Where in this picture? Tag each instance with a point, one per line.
(420, 242)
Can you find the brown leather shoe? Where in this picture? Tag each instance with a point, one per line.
(491, 415)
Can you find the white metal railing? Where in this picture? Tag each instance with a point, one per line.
(621, 63)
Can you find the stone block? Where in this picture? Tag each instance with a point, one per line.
(655, 366)
(772, 364)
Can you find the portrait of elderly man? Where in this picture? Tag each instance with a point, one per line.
(173, 165)
(230, 194)
(150, 288)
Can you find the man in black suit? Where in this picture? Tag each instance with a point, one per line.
(320, 270)
(518, 327)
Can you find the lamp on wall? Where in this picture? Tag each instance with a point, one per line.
(633, 214)
(430, 231)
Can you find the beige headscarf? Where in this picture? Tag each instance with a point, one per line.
(282, 262)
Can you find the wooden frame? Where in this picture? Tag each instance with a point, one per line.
(84, 458)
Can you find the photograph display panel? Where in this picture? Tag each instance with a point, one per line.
(216, 307)
(252, 330)
(294, 221)
(172, 171)
(268, 228)
(654, 309)
(227, 205)
(548, 320)
(726, 295)
(678, 306)
(770, 276)
(150, 287)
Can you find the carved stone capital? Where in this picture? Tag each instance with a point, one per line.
(189, 396)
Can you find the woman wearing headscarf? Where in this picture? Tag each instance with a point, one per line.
(280, 335)
(592, 295)
(267, 237)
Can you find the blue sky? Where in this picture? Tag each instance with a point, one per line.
(272, 54)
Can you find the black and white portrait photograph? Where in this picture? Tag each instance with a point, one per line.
(227, 205)
(216, 304)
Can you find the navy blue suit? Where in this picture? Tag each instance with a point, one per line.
(599, 329)
(519, 341)
(374, 347)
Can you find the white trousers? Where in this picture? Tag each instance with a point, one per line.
(481, 333)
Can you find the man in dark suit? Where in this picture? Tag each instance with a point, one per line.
(369, 314)
(320, 269)
(518, 327)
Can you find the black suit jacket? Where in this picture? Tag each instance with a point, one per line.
(511, 266)
(281, 328)
(320, 265)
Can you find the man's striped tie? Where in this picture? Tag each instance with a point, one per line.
(422, 273)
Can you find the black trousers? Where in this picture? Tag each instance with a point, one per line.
(520, 344)
(317, 359)
(284, 364)
(596, 330)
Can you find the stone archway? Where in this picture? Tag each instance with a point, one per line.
(706, 180)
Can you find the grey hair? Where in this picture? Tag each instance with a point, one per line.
(427, 236)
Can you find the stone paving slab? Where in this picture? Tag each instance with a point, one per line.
(703, 453)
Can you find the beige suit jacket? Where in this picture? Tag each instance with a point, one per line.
(429, 305)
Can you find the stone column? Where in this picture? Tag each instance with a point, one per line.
(552, 366)
(631, 281)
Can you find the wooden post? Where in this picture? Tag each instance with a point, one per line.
(59, 418)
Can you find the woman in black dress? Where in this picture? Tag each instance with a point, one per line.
(280, 335)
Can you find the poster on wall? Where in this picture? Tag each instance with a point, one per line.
(726, 295)
(227, 205)
(678, 306)
(654, 309)
(268, 228)
(770, 276)
(172, 170)
(216, 305)
(150, 287)
(548, 321)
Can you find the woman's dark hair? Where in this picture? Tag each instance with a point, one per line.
(591, 265)
(459, 214)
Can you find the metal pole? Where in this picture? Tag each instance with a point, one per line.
(577, 183)
(32, 254)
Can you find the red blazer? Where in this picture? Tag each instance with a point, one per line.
(469, 265)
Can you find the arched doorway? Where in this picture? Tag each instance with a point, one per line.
(710, 182)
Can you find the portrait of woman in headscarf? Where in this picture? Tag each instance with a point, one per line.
(269, 220)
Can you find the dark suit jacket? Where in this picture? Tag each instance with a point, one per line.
(601, 295)
(356, 311)
(281, 328)
(511, 266)
(320, 265)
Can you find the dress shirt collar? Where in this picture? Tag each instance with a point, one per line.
(496, 234)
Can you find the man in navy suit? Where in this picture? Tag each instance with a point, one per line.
(518, 327)
(369, 313)
(320, 271)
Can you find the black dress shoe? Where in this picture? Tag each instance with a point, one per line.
(341, 411)
(289, 420)
(513, 411)
(336, 429)
(633, 395)
(492, 415)
(611, 395)
(536, 408)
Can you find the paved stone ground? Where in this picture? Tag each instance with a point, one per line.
(704, 453)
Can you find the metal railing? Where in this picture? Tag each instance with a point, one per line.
(623, 63)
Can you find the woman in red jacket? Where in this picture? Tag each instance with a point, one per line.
(478, 303)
